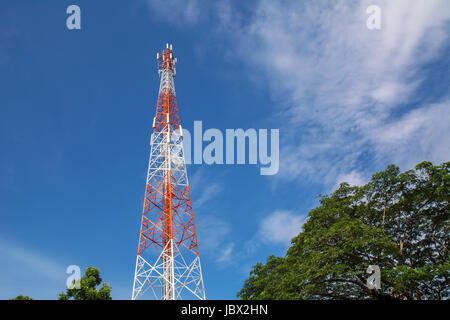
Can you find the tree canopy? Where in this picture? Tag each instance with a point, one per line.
(88, 288)
(21, 297)
(398, 222)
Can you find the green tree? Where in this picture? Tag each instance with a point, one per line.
(398, 221)
(88, 288)
(22, 297)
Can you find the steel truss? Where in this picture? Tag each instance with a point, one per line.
(168, 260)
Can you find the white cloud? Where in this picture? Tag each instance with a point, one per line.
(337, 84)
(280, 227)
(213, 235)
(226, 254)
(212, 231)
(353, 178)
(203, 188)
(176, 12)
(422, 133)
(35, 262)
(208, 193)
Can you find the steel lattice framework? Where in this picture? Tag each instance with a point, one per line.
(168, 261)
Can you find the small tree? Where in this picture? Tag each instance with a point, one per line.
(21, 297)
(87, 288)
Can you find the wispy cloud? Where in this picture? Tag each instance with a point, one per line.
(353, 178)
(226, 254)
(213, 231)
(214, 238)
(421, 134)
(275, 230)
(36, 262)
(280, 227)
(204, 188)
(337, 85)
(176, 12)
(208, 193)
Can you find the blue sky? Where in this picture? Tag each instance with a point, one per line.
(76, 109)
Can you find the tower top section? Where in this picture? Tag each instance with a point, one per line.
(166, 60)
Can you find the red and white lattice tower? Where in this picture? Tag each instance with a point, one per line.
(168, 261)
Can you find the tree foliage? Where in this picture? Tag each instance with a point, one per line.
(21, 297)
(88, 288)
(398, 221)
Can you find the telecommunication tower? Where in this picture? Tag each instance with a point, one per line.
(168, 261)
